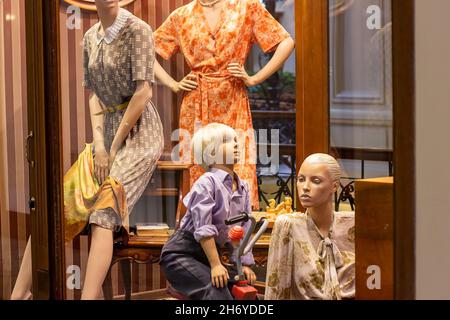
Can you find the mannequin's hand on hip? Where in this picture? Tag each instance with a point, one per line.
(188, 84)
(238, 71)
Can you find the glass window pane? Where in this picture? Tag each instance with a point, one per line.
(273, 110)
(159, 200)
(361, 118)
(14, 174)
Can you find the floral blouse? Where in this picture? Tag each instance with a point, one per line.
(304, 265)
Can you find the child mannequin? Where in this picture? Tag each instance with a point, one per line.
(190, 258)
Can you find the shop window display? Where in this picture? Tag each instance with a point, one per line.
(202, 62)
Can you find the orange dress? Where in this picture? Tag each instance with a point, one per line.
(219, 96)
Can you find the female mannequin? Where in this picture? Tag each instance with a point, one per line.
(102, 187)
(312, 255)
(216, 37)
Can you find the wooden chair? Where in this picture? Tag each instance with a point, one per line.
(141, 250)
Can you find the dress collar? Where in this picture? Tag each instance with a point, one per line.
(113, 31)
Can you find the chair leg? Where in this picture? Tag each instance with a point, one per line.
(107, 286)
(126, 276)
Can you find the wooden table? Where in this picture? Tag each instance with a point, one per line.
(143, 251)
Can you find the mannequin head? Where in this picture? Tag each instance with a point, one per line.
(215, 144)
(106, 4)
(318, 180)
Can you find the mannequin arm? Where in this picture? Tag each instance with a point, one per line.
(97, 122)
(219, 274)
(132, 114)
(187, 84)
(164, 77)
(281, 54)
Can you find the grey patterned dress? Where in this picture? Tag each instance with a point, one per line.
(113, 62)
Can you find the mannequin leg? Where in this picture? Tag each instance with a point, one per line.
(22, 288)
(99, 260)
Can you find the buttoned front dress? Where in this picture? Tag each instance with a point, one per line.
(219, 96)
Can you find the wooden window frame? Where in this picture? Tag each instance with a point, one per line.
(46, 176)
(44, 96)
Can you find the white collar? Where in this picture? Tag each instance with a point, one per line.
(113, 31)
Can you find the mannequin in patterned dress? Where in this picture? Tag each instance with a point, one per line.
(215, 38)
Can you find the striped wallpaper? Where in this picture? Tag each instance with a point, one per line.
(14, 194)
(77, 128)
(14, 225)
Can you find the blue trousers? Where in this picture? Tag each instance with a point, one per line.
(187, 269)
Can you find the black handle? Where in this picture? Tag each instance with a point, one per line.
(28, 146)
(32, 204)
(260, 223)
(240, 218)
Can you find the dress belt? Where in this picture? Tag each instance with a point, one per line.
(203, 80)
(120, 107)
(213, 76)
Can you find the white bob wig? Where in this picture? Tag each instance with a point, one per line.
(206, 144)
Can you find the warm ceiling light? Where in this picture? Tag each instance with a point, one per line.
(10, 17)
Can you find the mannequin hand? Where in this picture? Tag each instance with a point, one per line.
(188, 84)
(101, 165)
(219, 276)
(249, 275)
(239, 72)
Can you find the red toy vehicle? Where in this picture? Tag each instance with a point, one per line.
(242, 290)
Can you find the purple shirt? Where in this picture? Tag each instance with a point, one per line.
(210, 202)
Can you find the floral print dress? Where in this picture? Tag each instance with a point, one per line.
(219, 96)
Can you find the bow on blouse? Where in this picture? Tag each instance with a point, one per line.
(330, 254)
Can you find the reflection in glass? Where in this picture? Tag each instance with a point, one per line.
(14, 176)
(273, 109)
(361, 118)
(77, 130)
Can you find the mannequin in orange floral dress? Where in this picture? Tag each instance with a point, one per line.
(215, 37)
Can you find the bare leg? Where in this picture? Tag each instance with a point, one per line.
(99, 261)
(22, 288)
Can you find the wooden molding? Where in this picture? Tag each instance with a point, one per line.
(311, 29)
(35, 98)
(44, 119)
(90, 4)
(404, 145)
